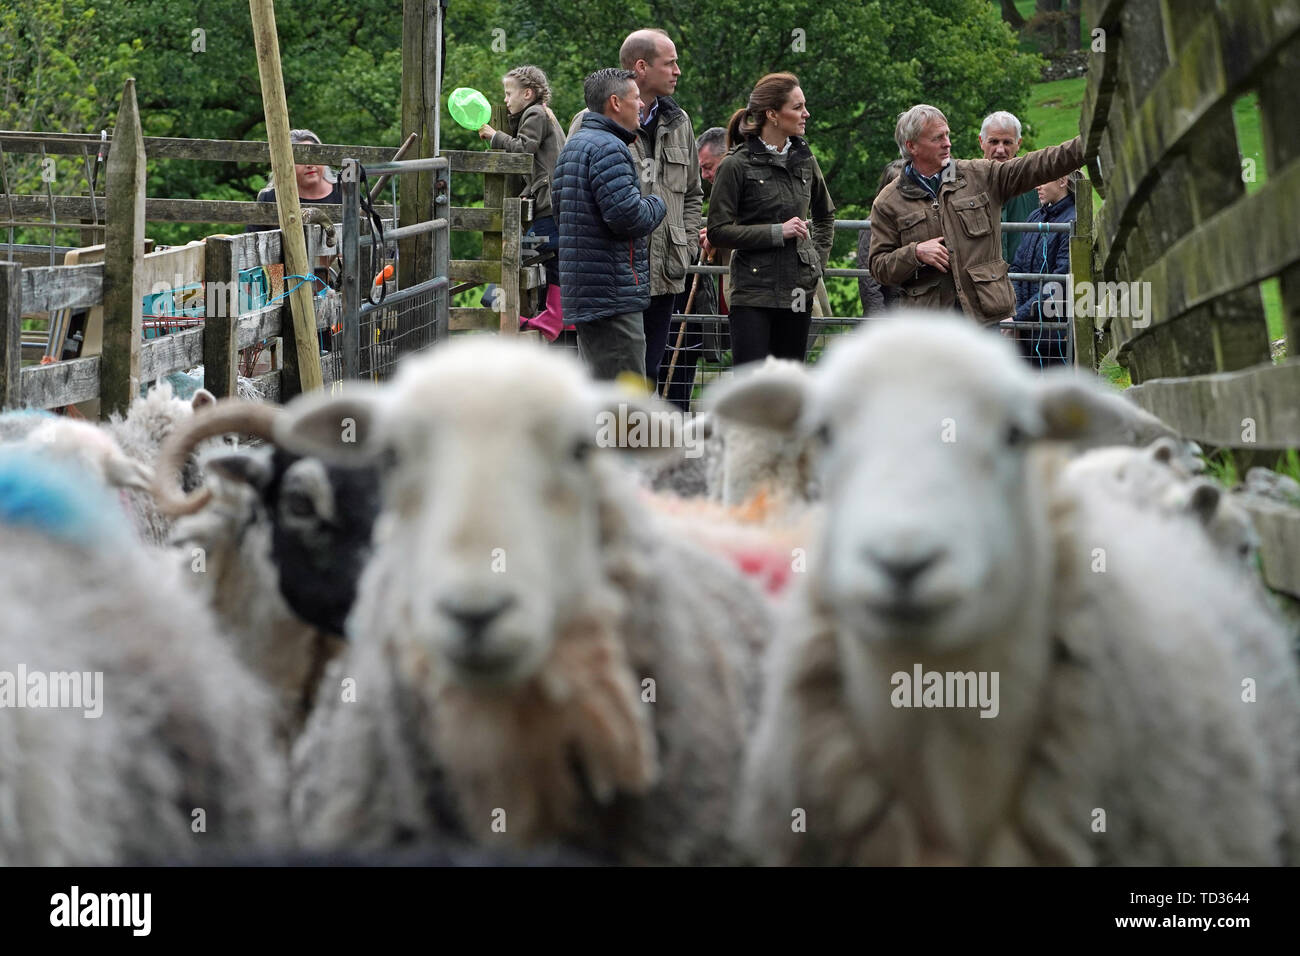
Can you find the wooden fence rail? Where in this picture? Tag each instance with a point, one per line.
(1177, 220)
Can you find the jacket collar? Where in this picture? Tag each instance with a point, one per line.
(601, 121)
(668, 112)
(799, 148)
(910, 188)
(1051, 210)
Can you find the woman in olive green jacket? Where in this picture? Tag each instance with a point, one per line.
(765, 192)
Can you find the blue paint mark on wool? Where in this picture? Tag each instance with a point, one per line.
(57, 499)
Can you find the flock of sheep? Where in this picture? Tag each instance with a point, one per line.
(435, 614)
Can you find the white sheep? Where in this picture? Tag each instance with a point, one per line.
(260, 531)
(141, 433)
(77, 442)
(531, 658)
(1116, 730)
(1159, 476)
(730, 462)
(167, 755)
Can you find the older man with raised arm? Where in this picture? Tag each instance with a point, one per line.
(936, 231)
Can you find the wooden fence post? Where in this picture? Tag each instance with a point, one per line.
(302, 359)
(11, 336)
(511, 254)
(119, 367)
(1084, 328)
(221, 316)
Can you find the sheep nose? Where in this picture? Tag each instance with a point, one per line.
(904, 569)
(474, 619)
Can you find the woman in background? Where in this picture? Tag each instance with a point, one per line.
(766, 191)
(316, 183)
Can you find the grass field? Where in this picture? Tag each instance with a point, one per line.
(1053, 117)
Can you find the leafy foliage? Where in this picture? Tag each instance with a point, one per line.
(861, 62)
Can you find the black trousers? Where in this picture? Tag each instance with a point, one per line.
(657, 318)
(757, 333)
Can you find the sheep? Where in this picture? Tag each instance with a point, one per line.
(276, 543)
(1158, 476)
(532, 660)
(166, 756)
(140, 434)
(76, 441)
(960, 553)
(730, 462)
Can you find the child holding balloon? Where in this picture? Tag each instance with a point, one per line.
(533, 128)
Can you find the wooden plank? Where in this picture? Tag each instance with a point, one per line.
(470, 219)
(221, 308)
(172, 353)
(1279, 542)
(302, 353)
(475, 320)
(1282, 147)
(475, 270)
(1103, 80)
(119, 375)
(1187, 94)
(1081, 270)
(1252, 239)
(1221, 409)
(225, 211)
(510, 255)
(1102, 13)
(473, 161)
(47, 288)
(11, 334)
(61, 383)
(211, 150)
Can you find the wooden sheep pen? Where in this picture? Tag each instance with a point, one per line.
(1162, 149)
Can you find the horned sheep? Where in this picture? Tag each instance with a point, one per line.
(156, 746)
(275, 543)
(531, 660)
(1118, 729)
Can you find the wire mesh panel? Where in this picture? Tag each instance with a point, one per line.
(390, 332)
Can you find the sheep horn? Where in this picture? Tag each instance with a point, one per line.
(228, 415)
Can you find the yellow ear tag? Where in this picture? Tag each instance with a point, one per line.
(633, 383)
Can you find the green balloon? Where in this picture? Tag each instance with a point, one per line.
(469, 107)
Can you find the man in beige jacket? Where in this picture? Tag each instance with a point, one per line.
(936, 230)
(669, 167)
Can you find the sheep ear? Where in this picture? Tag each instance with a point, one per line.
(764, 401)
(1163, 450)
(1204, 501)
(202, 399)
(1074, 409)
(335, 428)
(252, 470)
(636, 421)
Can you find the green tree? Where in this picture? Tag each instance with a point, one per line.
(860, 63)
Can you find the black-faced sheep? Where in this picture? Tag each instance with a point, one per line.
(1143, 709)
(531, 659)
(276, 543)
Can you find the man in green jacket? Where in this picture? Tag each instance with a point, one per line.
(936, 230)
(1000, 141)
(669, 167)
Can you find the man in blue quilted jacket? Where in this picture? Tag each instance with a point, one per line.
(604, 224)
